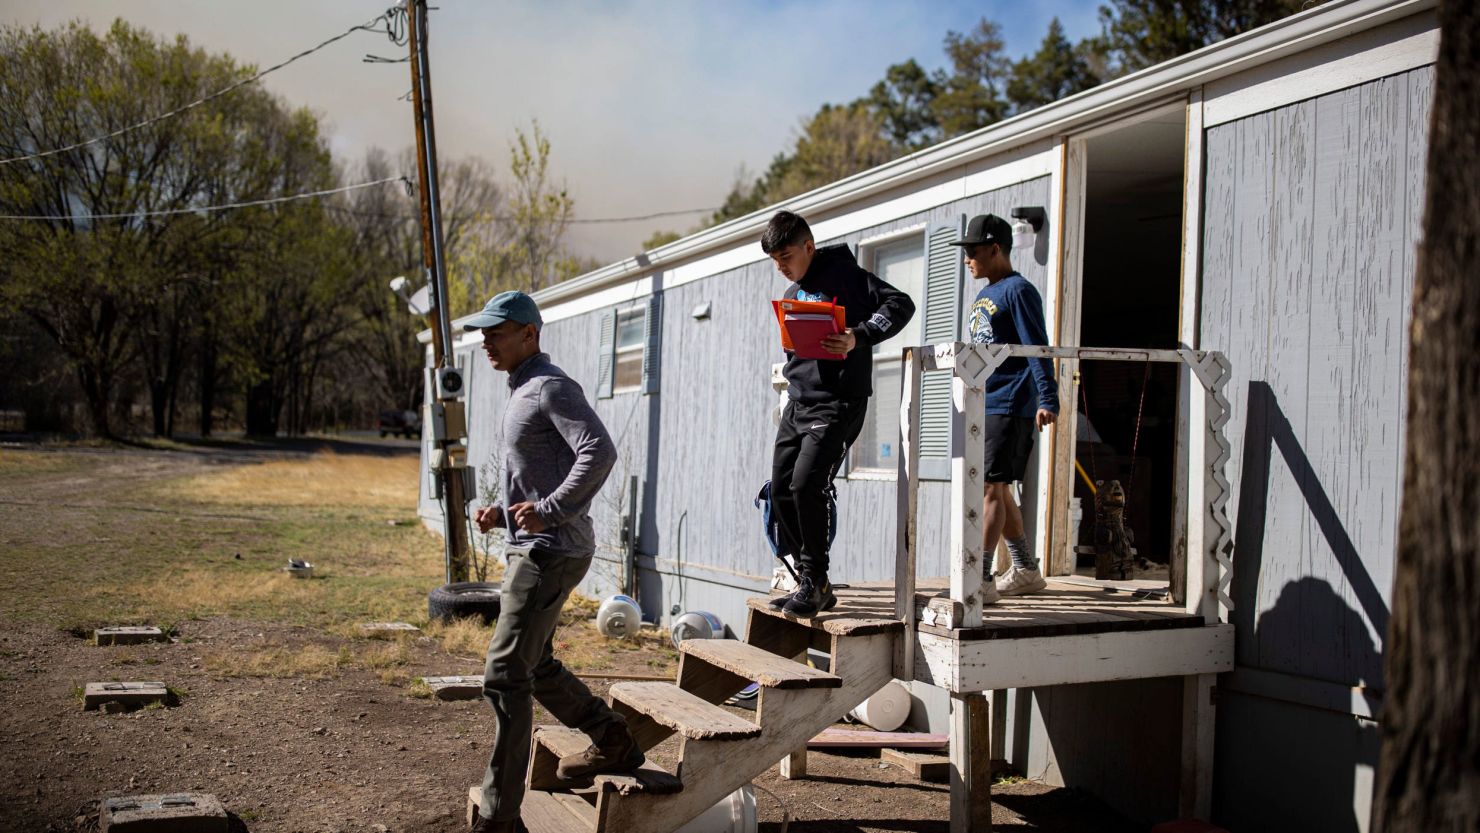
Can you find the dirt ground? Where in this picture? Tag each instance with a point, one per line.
(284, 712)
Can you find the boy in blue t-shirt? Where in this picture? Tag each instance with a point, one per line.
(1021, 396)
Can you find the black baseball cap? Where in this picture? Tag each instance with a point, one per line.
(985, 229)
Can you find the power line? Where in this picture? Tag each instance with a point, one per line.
(204, 208)
(646, 216)
(380, 215)
(392, 29)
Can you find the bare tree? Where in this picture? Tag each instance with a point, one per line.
(1429, 778)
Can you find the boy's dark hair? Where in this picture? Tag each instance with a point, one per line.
(785, 229)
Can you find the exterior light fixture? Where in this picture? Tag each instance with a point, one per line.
(1027, 221)
(417, 303)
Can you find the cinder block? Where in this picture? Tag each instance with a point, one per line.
(455, 688)
(1187, 826)
(388, 628)
(127, 694)
(475, 795)
(173, 813)
(128, 635)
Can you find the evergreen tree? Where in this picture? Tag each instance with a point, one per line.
(1139, 33)
(904, 100)
(1057, 70)
(973, 93)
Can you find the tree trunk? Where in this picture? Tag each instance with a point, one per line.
(97, 390)
(158, 402)
(207, 386)
(1429, 777)
(263, 406)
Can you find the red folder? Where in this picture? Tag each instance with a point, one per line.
(804, 324)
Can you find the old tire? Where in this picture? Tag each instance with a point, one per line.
(462, 599)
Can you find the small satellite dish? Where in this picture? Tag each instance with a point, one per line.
(420, 301)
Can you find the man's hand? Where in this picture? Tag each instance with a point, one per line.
(840, 343)
(527, 518)
(1044, 417)
(489, 518)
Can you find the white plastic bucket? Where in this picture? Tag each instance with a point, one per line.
(619, 617)
(886, 709)
(733, 814)
(697, 624)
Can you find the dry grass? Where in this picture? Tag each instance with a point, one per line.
(14, 463)
(303, 662)
(462, 637)
(386, 655)
(326, 599)
(324, 479)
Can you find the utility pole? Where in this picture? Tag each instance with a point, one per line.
(447, 412)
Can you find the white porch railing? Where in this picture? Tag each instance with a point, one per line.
(1209, 534)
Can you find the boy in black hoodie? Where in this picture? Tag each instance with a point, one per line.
(828, 397)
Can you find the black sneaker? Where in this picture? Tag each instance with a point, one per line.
(780, 601)
(811, 598)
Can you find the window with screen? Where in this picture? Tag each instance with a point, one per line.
(899, 262)
(631, 326)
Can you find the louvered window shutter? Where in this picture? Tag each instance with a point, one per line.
(943, 269)
(606, 355)
(652, 336)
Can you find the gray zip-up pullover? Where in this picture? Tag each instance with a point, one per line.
(556, 453)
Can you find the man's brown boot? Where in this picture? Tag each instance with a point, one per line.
(615, 751)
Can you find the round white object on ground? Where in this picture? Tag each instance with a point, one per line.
(733, 814)
(886, 709)
(697, 624)
(619, 617)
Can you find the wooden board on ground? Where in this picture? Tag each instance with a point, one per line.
(926, 766)
(867, 739)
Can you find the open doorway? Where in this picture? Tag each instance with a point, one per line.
(1130, 297)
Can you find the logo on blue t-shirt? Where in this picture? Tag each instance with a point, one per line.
(980, 321)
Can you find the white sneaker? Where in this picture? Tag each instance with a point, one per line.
(990, 596)
(1018, 581)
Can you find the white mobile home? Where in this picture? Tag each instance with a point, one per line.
(1259, 199)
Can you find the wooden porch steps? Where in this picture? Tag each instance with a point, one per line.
(719, 751)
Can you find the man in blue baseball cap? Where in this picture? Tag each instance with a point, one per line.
(556, 455)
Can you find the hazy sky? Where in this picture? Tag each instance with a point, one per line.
(650, 106)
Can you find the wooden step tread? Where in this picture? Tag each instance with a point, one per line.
(562, 740)
(668, 705)
(754, 663)
(851, 622)
(546, 812)
(649, 778)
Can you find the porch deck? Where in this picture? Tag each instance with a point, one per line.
(1068, 607)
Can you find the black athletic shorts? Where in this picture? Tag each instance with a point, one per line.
(1008, 444)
